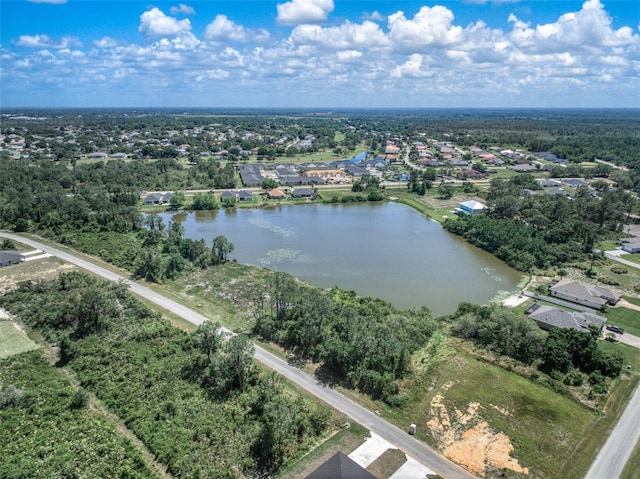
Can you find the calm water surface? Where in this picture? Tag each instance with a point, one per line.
(386, 250)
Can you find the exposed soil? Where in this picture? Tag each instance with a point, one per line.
(41, 269)
(466, 438)
(622, 303)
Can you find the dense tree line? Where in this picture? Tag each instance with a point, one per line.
(197, 400)
(537, 231)
(366, 341)
(562, 353)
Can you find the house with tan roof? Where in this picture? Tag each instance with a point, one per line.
(275, 194)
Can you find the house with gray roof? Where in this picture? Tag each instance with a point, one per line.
(228, 194)
(356, 170)
(244, 195)
(251, 175)
(303, 193)
(523, 168)
(547, 317)
(340, 466)
(7, 258)
(630, 246)
(546, 183)
(595, 297)
(158, 198)
(574, 182)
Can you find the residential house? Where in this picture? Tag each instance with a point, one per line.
(340, 466)
(8, 258)
(574, 182)
(471, 207)
(595, 297)
(244, 195)
(275, 194)
(228, 194)
(523, 168)
(251, 175)
(303, 193)
(631, 246)
(545, 183)
(548, 317)
(356, 170)
(158, 198)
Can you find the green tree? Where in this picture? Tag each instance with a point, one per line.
(209, 338)
(221, 249)
(177, 200)
(446, 191)
(269, 184)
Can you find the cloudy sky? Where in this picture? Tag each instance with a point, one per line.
(320, 53)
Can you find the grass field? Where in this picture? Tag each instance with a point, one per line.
(543, 427)
(627, 319)
(13, 340)
(632, 257)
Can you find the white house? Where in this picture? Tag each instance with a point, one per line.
(471, 207)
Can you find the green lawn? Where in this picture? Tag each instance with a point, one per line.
(632, 257)
(632, 300)
(627, 319)
(544, 427)
(13, 341)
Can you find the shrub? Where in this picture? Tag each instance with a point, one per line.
(395, 400)
(80, 399)
(619, 270)
(609, 280)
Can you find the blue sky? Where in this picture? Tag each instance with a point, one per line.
(320, 53)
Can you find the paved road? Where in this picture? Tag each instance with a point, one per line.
(613, 255)
(391, 433)
(618, 448)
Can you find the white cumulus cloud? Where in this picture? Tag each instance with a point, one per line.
(585, 29)
(105, 42)
(154, 23)
(182, 8)
(430, 26)
(347, 35)
(222, 29)
(297, 12)
(45, 41)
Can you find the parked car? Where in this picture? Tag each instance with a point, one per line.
(615, 329)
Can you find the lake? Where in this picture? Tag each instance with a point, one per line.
(386, 250)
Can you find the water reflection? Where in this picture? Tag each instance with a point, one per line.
(385, 250)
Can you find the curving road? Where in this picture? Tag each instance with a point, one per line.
(394, 435)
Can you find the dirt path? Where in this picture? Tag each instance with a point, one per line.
(622, 303)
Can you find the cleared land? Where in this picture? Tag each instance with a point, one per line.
(12, 339)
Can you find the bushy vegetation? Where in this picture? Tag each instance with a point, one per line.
(366, 341)
(538, 231)
(564, 354)
(48, 433)
(197, 401)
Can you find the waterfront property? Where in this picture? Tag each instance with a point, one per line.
(595, 297)
(548, 317)
(471, 207)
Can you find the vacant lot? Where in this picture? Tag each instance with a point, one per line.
(12, 339)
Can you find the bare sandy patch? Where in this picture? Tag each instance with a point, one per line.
(466, 438)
